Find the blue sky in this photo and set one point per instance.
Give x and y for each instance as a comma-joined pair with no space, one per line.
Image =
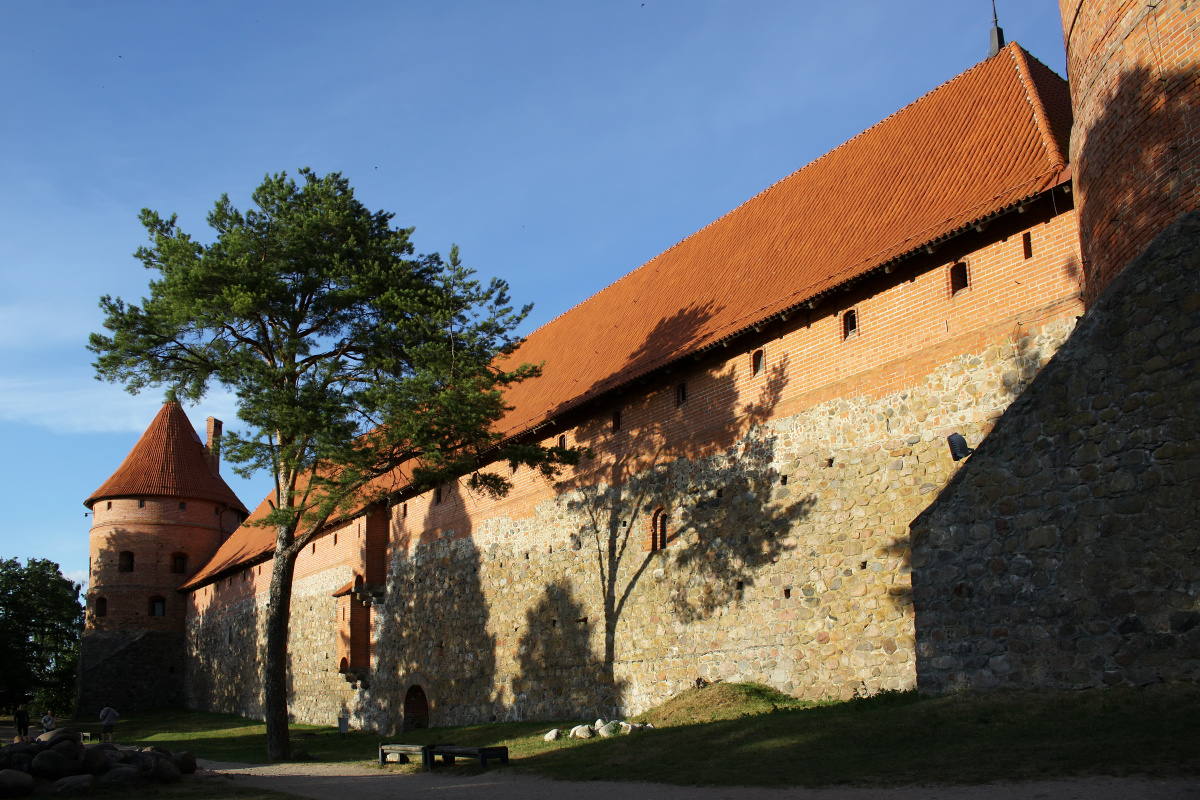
560,144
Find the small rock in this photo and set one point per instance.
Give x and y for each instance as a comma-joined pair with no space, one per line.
74,786
164,771
14,783
649,726
581,732
121,776
53,765
185,761
609,730
94,761
553,735
627,728
598,724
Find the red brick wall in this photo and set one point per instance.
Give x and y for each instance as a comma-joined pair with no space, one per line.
1135,146
154,530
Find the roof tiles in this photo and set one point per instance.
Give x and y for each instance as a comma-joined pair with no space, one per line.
169,460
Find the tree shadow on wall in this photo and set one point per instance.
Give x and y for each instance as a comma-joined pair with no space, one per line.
1135,158
559,675
432,629
697,505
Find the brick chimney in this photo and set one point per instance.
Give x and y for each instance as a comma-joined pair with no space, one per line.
213,446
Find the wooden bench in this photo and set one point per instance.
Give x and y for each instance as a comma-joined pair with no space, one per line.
406,750
448,752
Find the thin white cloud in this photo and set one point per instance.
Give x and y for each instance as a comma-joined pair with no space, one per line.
79,576
88,406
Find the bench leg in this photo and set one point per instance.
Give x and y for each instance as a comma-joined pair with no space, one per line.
427,760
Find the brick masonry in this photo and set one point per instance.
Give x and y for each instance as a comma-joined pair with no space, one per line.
1066,553
1135,145
546,603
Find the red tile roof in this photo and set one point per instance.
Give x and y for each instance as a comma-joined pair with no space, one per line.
168,461
984,141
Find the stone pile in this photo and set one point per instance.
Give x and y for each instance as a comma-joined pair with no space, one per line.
604,729
73,769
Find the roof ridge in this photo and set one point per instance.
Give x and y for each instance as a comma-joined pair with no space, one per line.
1019,56
824,156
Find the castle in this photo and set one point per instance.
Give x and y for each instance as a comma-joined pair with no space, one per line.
771,496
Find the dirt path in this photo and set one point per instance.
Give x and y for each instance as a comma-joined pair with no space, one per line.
348,781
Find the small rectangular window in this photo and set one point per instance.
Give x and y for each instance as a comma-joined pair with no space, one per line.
1027,244
616,420
404,511
849,323
681,394
141,503
958,278
437,496
756,362
182,506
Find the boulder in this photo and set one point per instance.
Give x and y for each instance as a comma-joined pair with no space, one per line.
553,735
75,786
53,765
162,752
20,762
609,730
627,728
143,761
14,783
60,734
185,761
581,732
101,746
68,748
598,724
164,771
94,762
121,776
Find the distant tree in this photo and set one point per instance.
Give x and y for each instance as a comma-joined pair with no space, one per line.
348,356
41,619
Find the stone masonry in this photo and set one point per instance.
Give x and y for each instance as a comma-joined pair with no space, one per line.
1067,552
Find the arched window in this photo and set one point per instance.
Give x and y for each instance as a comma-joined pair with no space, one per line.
179,563
757,360
125,561
660,522
849,324
158,607
100,605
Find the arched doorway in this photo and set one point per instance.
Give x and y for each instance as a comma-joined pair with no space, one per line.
416,708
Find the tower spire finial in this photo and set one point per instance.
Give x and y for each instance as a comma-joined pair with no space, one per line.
997,42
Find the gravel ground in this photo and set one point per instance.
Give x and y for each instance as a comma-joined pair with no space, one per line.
343,781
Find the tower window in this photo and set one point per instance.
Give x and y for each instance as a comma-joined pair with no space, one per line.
179,563
437,496
681,394
182,506
616,420
1027,244
101,606
659,528
108,507
125,561
562,442
757,360
958,278
404,510
141,503
849,324
158,607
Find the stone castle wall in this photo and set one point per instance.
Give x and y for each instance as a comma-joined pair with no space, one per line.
1067,552
130,670
803,585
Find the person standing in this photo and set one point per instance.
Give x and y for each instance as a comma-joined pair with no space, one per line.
21,720
108,723
48,721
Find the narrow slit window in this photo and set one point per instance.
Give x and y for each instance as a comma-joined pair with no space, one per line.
958,278
182,506
849,323
681,394
616,420
437,496
1027,244
562,442
404,511
757,360
141,503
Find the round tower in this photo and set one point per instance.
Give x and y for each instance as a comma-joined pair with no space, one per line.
1135,144
155,522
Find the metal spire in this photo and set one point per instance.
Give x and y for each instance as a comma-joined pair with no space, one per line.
997,34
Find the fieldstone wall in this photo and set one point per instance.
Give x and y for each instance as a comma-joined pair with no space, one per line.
131,671
803,585
224,646
1067,552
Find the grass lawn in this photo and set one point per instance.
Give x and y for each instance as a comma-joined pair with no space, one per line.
747,735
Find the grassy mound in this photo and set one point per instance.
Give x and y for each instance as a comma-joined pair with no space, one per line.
719,701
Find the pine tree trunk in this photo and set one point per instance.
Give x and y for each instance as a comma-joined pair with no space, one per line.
275,661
